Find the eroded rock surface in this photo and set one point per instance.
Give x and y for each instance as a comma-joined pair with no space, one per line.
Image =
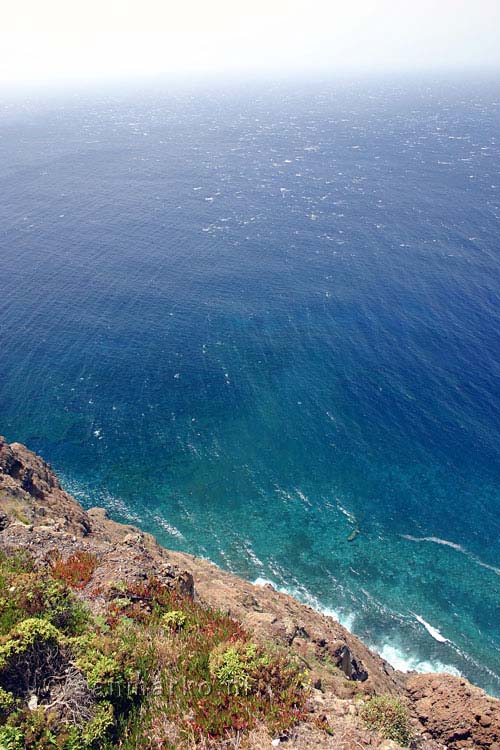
454,711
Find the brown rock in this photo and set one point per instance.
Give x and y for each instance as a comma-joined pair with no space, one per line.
455,712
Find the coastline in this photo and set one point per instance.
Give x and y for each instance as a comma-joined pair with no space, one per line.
392,649
38,515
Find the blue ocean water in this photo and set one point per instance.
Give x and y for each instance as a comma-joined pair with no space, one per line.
257,319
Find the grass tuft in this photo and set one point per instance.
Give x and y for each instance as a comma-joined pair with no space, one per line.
389,717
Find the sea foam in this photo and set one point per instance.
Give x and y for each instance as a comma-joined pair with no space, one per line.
410,663
454,546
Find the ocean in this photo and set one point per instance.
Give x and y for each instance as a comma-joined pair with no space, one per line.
261,321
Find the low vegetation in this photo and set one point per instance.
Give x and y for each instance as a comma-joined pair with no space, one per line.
389,717
152,670
76,571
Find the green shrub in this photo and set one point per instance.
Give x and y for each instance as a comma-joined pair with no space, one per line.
235,665
98,728
118,664
175,619
25,635
7,701
34,594
389,717
11,738
102,672
38,728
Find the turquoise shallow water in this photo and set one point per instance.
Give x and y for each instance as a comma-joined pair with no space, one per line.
256,321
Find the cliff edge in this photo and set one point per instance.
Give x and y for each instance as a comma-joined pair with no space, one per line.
39,517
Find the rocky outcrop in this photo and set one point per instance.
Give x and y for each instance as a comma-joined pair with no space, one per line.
455,712
37,514
27,482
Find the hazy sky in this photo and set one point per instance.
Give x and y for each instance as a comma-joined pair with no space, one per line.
86,39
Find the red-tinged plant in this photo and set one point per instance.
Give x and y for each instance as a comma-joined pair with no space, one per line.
76,570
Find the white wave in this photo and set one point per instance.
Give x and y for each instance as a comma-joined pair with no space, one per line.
346,620
434,539
168,527
405,662
114,504
350,516
283,493
101,499
409,663
452,545
303,497
305,597
251,554
259,581
434,632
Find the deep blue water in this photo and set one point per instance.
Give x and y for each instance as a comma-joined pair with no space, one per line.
254,320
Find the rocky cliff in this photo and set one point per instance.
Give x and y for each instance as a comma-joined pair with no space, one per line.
38,516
